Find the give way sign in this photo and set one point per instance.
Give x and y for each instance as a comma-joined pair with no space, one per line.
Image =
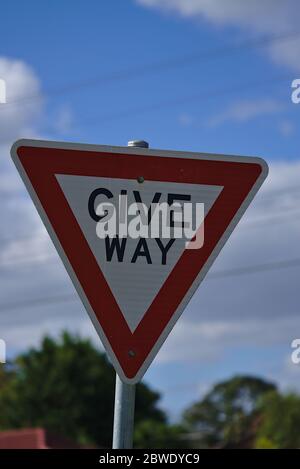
134,288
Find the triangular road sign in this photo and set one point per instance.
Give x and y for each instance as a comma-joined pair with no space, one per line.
133,295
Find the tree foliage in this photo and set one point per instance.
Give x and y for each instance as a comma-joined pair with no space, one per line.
67,386
159,435
223,416
280,421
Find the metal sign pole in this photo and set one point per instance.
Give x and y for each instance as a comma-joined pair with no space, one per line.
125,393
124,415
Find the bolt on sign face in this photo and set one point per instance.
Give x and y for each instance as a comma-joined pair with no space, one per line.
137,230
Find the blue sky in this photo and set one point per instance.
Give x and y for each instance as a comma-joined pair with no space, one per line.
174,73
68,44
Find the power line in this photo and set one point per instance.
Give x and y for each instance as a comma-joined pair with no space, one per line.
30,260
33,302
272,220
287,213
258,268
158,66
256,223
204,96
27,261
266,267
171,103
174,102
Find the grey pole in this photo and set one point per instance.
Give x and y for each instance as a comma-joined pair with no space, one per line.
125,393
124,415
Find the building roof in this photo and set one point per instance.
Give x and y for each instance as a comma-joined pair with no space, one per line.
33,438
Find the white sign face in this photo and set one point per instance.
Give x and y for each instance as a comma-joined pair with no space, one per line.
133,284
99,206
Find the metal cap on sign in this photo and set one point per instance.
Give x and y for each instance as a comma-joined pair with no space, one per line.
138,143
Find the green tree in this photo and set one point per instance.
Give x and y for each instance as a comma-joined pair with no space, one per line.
154,434
224,415
280,421
67,386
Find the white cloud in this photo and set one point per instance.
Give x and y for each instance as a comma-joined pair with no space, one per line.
259,16
29,265
264,12
19,117
23,108
243,111
206,341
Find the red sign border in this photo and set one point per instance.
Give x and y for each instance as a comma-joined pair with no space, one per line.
38,162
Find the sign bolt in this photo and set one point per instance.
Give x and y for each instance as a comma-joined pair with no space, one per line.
139,144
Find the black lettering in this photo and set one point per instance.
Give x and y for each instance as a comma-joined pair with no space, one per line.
141,250
171,198
155,200
91,203
112,245
164,249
